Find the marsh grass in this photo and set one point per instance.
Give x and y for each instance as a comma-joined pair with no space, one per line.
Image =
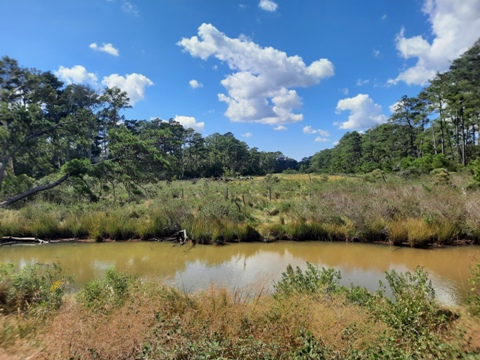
415,212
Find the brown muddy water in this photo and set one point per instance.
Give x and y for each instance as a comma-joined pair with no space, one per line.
251,266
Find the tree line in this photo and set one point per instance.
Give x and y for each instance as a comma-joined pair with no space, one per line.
51,132
439,128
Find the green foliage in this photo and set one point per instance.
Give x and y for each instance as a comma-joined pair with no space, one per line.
412,309
16,184
76,167
474,294
104,295
312,280
34,288
476,170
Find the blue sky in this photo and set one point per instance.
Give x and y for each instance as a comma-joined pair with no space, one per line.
284,75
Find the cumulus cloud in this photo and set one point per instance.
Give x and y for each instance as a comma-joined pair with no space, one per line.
247,134
190,122
268,5
364,113
309,130
108,48
280,127
76,74
194,84
260,87
133,84
321,139
455,25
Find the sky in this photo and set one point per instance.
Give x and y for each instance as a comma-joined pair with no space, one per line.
282,75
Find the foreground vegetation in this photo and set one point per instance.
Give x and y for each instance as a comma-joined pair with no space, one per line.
308,316
416,212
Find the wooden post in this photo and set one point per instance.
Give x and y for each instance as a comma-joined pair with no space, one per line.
270,192
226,194
182,193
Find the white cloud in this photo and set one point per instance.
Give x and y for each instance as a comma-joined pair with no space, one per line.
190,122
361,82
364,113
376,53
455,26
194,84
259,89
393,107
108,48
309,130
76,74
268,5
247,134
133,84
321,139
280,127
384,17
335,143
344,91
130,8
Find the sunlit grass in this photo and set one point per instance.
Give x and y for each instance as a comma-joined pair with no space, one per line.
418,212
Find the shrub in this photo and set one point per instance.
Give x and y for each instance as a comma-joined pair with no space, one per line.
103,295
35,287
313,280
412,310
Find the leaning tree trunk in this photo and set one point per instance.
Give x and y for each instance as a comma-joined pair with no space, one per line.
33,191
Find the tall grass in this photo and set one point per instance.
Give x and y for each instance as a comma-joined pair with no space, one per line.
416,212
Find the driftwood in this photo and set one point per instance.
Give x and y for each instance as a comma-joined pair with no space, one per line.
10,240
180,236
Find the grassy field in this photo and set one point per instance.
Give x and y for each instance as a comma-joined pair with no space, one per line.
421,212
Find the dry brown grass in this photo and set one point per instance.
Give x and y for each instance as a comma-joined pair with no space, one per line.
169,320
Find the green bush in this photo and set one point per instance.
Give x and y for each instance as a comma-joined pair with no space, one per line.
33,288
313,280
412,310
103,295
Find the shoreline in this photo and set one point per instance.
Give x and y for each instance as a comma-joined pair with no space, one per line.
28,241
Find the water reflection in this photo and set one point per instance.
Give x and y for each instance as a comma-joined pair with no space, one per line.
252,265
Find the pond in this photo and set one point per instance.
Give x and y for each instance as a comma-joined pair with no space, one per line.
252,266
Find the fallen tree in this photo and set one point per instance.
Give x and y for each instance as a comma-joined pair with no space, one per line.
34,191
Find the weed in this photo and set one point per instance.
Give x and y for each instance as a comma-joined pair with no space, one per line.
33,288
103,295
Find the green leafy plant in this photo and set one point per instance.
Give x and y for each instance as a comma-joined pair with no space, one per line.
312,280
103,295
33,288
